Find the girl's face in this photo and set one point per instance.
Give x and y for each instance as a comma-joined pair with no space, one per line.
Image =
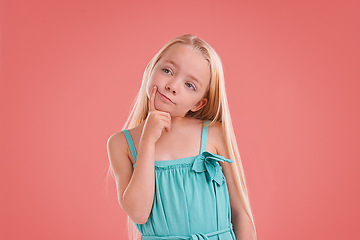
182,75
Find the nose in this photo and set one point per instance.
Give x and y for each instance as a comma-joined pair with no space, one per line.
172,86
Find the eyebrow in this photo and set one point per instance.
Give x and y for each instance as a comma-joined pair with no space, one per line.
191,76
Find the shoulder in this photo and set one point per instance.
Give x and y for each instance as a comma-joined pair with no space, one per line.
119,137
117,149
117,143
215,129
217,138
116,138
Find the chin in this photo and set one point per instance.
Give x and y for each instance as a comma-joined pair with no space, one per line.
161,108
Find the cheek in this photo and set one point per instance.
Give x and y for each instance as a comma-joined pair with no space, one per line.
194,102
153,81
154,78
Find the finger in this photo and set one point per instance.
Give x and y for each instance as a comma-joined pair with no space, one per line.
166,117
168,127
164,114
165,123
169,121
152,99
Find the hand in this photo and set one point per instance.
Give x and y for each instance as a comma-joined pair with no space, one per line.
156,121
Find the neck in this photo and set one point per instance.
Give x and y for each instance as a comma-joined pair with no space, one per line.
180,119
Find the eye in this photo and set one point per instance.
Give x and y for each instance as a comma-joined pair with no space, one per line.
166,70
191,85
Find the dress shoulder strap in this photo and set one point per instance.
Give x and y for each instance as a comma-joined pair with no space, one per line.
130,143
204,135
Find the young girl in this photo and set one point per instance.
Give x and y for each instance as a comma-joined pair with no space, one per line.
176,163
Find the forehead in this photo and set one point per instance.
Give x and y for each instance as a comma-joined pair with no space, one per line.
188,60
181,52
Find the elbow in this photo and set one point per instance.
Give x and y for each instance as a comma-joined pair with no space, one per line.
139,219
136,215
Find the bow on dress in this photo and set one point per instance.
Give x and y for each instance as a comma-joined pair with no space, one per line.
209,162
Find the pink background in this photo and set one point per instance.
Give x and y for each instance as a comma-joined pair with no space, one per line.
71,69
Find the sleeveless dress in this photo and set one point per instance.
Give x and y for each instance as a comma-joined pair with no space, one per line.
191,199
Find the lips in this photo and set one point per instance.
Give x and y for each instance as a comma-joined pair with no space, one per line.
166,97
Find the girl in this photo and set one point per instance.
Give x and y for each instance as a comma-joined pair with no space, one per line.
176,163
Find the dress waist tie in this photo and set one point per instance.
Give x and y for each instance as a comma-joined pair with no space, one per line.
194,236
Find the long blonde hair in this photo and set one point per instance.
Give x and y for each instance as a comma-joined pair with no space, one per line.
216,109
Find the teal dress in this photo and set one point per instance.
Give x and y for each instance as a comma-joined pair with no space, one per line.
191,199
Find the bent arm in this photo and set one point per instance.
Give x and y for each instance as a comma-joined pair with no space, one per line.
135,187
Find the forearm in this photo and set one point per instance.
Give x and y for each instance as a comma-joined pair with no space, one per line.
243,228
138,197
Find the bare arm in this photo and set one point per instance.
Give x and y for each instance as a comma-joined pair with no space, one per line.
242,224
139,195
136,187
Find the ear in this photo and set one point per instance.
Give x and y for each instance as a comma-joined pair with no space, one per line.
199,105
